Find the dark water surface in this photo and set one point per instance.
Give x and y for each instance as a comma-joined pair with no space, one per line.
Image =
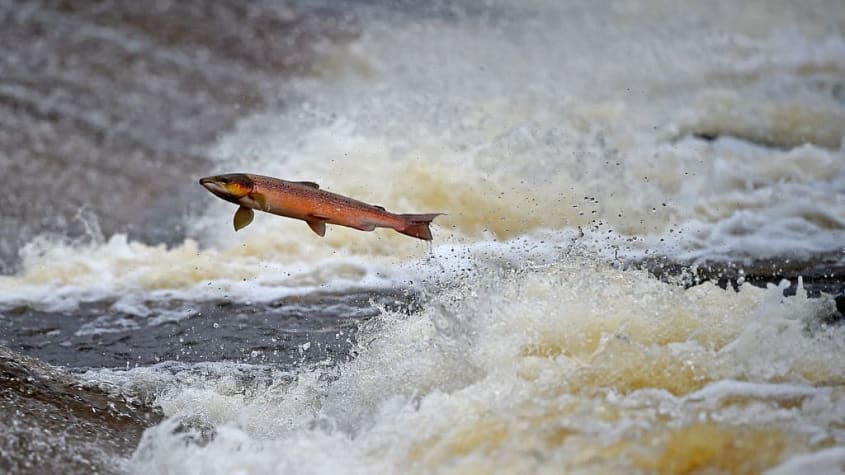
58,422
96,335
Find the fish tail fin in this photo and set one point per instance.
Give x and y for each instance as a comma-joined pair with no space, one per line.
416,225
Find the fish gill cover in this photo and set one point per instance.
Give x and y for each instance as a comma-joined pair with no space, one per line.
566,143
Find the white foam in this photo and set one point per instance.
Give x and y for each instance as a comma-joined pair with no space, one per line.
828,461
726,389
496,364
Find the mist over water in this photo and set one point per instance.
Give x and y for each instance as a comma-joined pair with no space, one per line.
571,146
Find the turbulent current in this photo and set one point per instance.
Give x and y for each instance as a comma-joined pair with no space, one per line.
640,269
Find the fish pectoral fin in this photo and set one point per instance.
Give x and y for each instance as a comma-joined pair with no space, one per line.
317,225
243,216
309,184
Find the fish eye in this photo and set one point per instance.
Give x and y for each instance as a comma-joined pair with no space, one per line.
224,180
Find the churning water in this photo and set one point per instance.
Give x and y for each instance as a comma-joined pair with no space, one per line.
595,160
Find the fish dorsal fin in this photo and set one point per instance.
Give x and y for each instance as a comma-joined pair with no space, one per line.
318,226
309,184
243,216
379,207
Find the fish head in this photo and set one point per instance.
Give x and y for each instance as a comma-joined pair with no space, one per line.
230,187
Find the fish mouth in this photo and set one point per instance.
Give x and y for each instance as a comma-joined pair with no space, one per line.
214,186
230,187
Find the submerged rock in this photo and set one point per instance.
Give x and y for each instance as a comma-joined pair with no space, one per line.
53,422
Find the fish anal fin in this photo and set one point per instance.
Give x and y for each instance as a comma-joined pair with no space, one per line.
243,216
318,226
309,184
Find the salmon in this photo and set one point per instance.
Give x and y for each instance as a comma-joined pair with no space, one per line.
306,201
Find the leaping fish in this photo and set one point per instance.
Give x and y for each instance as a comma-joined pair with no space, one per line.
306,201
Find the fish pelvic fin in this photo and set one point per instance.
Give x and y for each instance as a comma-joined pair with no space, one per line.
243,216
318,226
416,225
